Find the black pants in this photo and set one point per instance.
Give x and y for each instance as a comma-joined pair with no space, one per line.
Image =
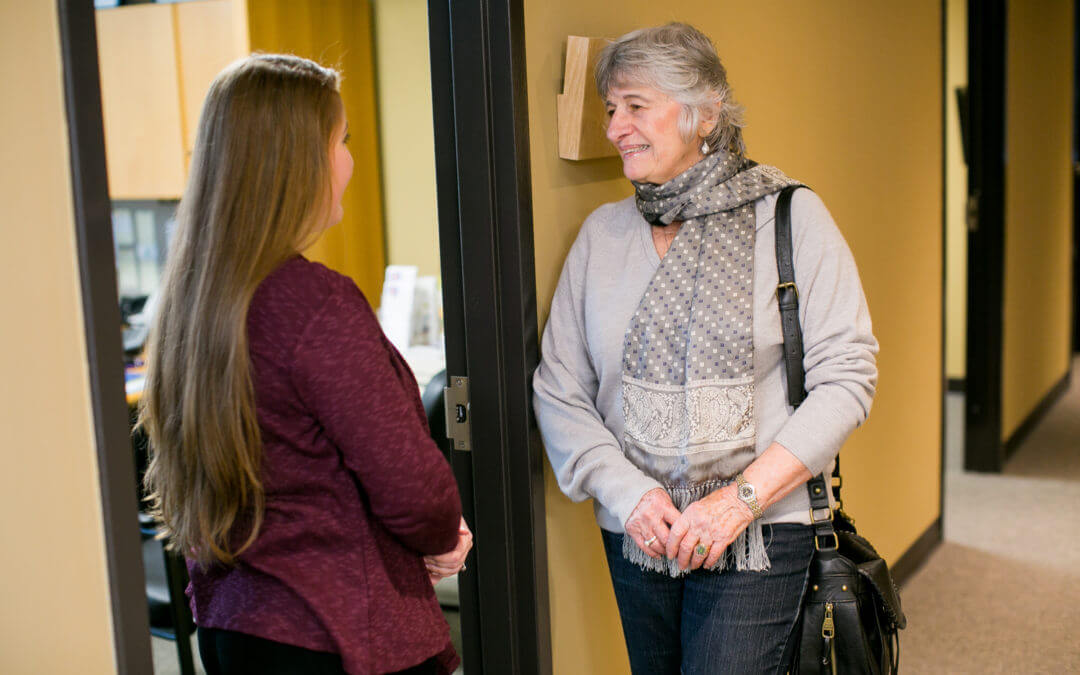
226,652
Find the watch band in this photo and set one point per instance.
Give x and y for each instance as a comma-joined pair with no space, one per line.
747,494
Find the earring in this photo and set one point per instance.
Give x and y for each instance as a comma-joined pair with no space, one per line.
704,147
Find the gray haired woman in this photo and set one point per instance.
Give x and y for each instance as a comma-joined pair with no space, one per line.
661,392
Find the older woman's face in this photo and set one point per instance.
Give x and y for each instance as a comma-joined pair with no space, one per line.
643,124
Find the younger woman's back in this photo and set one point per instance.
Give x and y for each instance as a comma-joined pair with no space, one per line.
355,488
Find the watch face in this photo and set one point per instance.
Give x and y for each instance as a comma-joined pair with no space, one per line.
746,491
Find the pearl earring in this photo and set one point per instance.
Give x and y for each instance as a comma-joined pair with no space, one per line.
704,147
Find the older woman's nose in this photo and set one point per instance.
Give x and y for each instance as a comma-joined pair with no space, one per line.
617,126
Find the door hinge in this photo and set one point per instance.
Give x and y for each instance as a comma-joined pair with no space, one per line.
971,213
456,402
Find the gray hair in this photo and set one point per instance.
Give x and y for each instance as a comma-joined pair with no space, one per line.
681,62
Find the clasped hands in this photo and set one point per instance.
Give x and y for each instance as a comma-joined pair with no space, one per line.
712,521
450,563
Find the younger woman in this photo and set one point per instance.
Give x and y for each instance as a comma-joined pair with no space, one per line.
291,460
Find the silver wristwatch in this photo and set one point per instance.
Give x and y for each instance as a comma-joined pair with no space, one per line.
748,495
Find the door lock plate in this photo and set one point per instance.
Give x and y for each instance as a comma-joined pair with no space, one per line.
456,402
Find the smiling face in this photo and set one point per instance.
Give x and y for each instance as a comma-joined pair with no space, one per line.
643,124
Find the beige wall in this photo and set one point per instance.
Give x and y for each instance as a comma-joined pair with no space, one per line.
846,96
54,614
1038,205
406,135
955,194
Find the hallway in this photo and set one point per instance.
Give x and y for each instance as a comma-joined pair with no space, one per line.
1002,593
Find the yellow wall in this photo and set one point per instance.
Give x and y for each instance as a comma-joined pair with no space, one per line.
846,96
1038,205
406,133
955,195
338,33
54,615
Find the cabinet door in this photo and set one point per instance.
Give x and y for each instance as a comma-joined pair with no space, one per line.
140,102
210,35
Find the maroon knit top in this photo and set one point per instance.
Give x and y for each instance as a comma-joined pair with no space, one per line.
356,490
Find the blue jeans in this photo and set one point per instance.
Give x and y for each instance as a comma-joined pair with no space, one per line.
708,623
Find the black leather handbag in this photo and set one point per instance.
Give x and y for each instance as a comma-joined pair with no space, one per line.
851,613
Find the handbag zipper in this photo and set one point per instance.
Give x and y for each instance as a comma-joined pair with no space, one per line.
828,632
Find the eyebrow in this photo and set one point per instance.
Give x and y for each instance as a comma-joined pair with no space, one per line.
638,97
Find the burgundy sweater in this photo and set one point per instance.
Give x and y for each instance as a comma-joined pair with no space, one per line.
356,490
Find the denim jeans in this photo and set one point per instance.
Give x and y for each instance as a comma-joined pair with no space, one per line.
709,623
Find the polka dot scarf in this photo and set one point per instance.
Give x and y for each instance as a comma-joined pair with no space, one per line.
688,354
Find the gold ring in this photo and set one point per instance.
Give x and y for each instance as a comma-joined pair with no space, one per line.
701,550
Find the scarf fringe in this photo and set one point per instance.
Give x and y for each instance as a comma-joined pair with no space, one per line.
746,553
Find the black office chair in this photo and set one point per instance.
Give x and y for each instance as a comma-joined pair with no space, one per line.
166,576
435,410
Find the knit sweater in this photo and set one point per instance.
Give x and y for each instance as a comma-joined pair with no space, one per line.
578,385
356,490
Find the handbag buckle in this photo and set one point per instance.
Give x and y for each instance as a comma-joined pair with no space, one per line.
813,516
787,284
832,535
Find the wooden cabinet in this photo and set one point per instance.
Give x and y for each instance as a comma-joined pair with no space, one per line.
156,63
140,102
209,36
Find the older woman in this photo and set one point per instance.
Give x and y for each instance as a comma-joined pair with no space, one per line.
661,393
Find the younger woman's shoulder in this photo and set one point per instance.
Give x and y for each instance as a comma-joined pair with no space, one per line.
311,285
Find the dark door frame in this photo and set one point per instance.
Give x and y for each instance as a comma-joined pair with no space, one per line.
486,236
104,351
485,222
1076,179
984,449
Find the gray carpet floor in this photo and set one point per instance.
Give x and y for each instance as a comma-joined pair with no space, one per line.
1002,593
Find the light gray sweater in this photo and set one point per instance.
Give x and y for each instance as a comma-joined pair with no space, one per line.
578,385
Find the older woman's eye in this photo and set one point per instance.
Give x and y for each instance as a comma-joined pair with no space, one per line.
347,137
609,112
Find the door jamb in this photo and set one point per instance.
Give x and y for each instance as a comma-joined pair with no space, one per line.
485,222
104,352
983,446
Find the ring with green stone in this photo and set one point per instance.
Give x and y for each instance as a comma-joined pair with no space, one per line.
701,550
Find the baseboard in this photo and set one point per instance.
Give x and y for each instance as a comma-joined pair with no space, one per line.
917,554
1020,435
956,385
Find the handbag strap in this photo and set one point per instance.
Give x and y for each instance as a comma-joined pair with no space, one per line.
787,298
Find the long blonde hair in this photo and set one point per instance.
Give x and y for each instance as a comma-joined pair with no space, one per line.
258,192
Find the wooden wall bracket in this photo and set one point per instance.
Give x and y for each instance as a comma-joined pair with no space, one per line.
581,112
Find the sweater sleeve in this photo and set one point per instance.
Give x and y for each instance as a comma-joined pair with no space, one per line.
344,373
838,340
586,457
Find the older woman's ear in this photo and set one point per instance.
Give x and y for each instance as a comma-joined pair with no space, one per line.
710,117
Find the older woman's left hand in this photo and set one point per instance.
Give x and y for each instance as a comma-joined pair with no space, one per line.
713,521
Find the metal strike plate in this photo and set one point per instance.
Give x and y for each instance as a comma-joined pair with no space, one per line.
456,402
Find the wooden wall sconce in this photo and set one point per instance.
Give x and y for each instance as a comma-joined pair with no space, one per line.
581,112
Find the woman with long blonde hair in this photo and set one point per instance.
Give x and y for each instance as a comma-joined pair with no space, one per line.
291,462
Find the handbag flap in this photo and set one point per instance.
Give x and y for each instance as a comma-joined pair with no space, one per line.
877,573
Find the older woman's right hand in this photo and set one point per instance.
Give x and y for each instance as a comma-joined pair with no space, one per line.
650,522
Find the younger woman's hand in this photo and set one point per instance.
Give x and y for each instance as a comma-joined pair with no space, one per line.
648,522
450,563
